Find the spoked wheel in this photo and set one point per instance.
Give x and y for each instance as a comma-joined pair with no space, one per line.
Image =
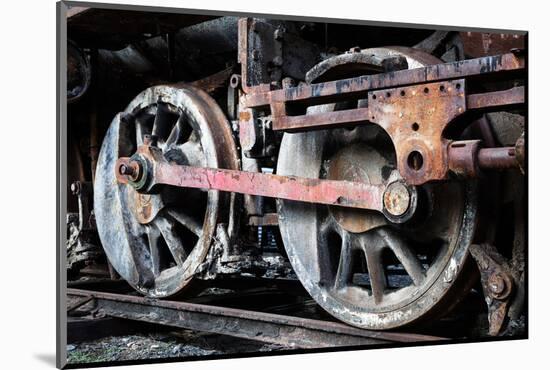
360,267
157,241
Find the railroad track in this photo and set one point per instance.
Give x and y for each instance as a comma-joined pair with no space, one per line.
282,329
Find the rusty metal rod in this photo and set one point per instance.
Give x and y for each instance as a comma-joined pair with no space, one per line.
497,158
341,193
513,96
332,192
466,158
321,120
346,88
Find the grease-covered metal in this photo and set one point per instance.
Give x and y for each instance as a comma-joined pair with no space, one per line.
327,253
497,283
341,193
163,241
379,160
295,332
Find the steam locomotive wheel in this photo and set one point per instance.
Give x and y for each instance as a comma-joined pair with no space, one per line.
157,241
358,265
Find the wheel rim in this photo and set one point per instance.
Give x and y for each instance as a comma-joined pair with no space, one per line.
156,242
361,268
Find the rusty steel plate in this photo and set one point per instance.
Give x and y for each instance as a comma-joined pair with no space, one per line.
415,118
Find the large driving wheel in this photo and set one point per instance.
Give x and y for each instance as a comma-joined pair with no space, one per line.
358,265
156,242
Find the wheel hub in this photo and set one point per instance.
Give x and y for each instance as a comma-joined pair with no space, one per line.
397,199
359,163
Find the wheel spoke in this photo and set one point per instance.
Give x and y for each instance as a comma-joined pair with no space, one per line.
141,130
162,123
408,259
375,267
193,153
178,133
140,247
376,274
153,236
186,221
172,240
344,273
326,225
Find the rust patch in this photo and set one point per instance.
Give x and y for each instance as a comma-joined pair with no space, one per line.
415,118
245,115
478,44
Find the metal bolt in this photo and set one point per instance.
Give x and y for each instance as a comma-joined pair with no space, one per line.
497,285
75,187
397,198
235,81
127,170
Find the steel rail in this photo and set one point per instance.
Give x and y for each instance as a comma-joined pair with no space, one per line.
284,330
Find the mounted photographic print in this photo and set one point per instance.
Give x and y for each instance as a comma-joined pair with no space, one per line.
241,184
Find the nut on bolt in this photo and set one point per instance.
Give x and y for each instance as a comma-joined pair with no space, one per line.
126,170
499,285
397,198
131,170
76,187
235,81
